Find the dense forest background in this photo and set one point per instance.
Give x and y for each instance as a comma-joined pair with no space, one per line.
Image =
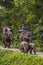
16,12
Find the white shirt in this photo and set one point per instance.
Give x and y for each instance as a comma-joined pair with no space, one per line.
8,29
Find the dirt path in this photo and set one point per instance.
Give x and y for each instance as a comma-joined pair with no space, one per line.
15,49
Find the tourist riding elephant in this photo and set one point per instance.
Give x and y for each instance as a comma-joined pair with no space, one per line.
26,42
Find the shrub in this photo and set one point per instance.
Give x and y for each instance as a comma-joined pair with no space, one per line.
18,58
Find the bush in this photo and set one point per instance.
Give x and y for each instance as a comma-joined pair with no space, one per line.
18,58
40,49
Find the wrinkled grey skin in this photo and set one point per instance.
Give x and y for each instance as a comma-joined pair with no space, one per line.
26,43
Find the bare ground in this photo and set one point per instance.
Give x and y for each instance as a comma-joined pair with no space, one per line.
15,49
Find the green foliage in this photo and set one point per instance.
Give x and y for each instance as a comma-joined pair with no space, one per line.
40,49
7,3
18,58
15,12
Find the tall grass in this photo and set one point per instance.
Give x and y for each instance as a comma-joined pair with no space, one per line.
18,58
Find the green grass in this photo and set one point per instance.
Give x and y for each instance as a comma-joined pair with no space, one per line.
18,58
1,43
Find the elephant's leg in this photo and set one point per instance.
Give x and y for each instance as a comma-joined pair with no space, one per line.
5,44
30,51
4,40
8,44
34,50
26,49
22,49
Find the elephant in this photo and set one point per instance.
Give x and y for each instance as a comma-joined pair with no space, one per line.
25,47
7,39
27,35
26,42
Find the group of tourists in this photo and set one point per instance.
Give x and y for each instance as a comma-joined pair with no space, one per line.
25,27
